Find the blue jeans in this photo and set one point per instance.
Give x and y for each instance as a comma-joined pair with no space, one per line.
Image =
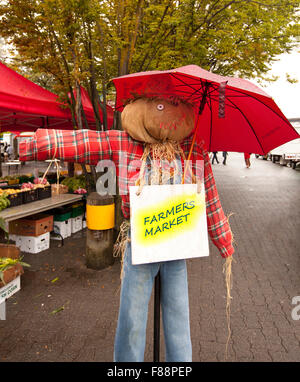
136,288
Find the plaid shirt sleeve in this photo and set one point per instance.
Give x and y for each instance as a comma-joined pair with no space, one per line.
81,146
217,222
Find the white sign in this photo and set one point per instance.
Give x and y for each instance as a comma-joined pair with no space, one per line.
168,222
9,289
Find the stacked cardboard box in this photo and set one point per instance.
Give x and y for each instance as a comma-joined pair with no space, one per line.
32,234
62,221
32,244
77,215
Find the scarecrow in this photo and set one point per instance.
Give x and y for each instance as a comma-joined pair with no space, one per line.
163,126
159,127
155,131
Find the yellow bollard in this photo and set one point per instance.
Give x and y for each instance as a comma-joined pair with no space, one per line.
100,217
100,220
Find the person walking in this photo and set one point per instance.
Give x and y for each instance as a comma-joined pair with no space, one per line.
247,159
225,153
9,151
5,152
215,157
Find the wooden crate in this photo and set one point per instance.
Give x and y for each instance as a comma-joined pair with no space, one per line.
59,189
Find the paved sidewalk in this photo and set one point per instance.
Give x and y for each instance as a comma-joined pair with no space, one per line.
264,201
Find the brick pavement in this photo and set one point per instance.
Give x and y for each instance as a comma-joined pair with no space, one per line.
265,204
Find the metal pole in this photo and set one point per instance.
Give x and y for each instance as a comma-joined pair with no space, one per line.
156,338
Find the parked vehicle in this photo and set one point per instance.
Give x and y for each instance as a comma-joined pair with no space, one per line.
264,157
288,153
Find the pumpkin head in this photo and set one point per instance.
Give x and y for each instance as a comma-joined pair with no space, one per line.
153,120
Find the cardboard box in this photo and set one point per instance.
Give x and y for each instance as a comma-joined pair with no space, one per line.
33,244
63,228
11,273
34,225
9,250
9,289
76,224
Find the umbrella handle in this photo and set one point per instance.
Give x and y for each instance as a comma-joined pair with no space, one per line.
201,107
190,152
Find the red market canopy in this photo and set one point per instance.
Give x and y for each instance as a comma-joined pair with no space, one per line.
26,106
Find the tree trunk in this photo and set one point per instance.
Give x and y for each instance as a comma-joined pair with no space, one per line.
94,100
104,77
78,105
70,169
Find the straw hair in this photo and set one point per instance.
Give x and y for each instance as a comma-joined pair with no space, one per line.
121,242
166,151
227,269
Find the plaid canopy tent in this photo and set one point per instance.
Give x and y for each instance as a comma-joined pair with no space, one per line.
26,106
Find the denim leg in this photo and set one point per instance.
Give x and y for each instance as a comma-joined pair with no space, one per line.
175,311
136,288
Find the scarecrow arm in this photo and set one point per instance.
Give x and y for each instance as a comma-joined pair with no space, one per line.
81,146
217,222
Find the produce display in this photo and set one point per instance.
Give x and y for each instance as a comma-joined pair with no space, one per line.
10,191
18,189
37,183
75,183
80,191
40,181
7,263
4,201
27,186
10,179
26,192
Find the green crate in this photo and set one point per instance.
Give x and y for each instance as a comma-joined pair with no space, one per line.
25,179
61,214
77,211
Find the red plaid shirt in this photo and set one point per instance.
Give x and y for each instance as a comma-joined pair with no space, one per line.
89,146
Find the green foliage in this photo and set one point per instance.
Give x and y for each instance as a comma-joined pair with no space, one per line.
290,79
4,202
6,263
75,182
3,226
69,42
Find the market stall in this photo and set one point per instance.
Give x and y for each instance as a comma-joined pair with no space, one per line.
32,207
30,210
18,212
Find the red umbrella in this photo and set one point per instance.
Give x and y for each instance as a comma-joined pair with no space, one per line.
233,114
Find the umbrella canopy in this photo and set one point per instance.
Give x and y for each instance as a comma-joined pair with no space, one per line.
26,106
233,113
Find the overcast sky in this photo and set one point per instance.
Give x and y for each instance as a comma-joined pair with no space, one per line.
285,94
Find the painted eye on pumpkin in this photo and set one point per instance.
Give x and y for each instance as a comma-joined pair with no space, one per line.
160,107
